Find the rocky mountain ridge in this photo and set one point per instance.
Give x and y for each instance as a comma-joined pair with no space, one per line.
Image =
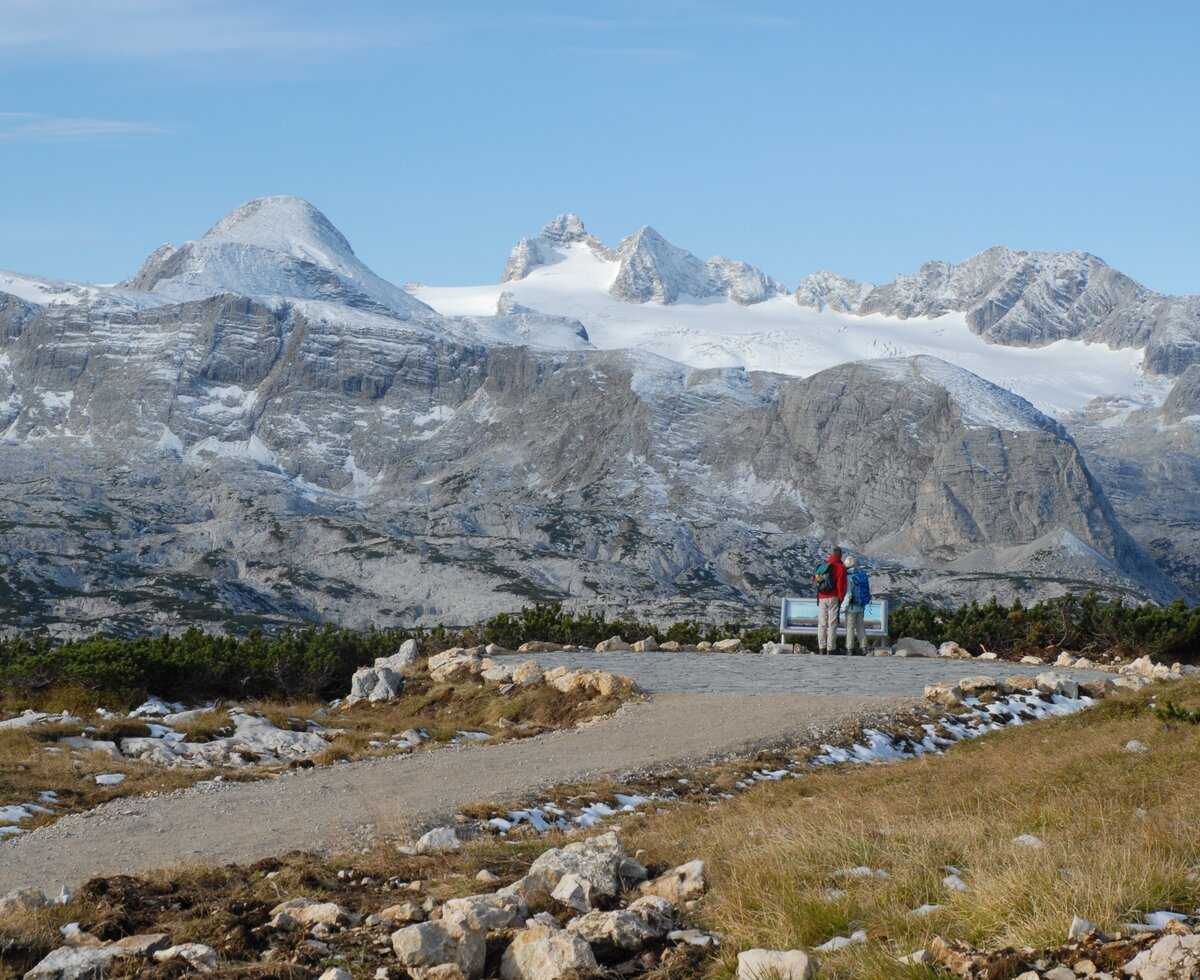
307,446
1031,299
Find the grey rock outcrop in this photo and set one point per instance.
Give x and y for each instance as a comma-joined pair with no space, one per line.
1032,299
652,270
171,454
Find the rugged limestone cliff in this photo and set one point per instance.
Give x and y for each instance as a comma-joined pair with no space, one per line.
308,445
1031,299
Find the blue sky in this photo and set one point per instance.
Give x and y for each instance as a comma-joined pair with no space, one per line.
855,136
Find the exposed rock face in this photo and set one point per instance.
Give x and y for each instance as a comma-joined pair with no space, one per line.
529,253
1032,299
826,291
652,270
270,457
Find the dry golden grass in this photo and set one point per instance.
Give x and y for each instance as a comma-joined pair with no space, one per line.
1118,830
30,762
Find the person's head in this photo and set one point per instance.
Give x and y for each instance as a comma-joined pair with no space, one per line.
849,561
836,552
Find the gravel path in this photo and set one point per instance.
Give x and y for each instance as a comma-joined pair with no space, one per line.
753,673
703,706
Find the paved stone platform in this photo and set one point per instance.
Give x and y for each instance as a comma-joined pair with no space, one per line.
784,673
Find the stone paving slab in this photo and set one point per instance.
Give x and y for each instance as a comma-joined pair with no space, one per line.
795,673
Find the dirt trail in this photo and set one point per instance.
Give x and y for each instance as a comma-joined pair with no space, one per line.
349,805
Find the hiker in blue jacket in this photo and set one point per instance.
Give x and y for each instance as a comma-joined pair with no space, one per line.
858,594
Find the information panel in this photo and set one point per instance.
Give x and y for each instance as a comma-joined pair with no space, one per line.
799,617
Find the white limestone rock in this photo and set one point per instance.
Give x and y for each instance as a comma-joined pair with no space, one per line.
430,946
1055,683
491,911
1172,957
908,646
21,900
792,964
574,892
976,685
201,958
438,839
946,693
678,885
543,952
597,861
527,672
406,656
952,651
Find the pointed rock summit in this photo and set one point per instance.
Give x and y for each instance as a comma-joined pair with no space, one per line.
655,271
563,232
651,269
272,247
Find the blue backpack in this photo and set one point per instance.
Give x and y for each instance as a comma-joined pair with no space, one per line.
860,588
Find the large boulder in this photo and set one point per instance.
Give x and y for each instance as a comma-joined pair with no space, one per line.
374,684
614,644
543,952
455,662
431,946
648,645
908,646
732,645
406,656
777,964
598,861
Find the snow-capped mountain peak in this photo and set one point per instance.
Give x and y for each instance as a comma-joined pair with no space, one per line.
649,269
566,228
272,247
283,224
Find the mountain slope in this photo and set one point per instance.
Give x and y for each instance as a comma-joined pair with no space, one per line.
272,246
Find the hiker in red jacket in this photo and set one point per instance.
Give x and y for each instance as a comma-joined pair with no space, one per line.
830,579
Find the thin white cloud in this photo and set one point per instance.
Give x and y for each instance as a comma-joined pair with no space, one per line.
29,127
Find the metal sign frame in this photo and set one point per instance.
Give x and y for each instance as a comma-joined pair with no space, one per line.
798,617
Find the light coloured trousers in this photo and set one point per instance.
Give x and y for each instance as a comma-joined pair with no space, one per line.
856,633
827,623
